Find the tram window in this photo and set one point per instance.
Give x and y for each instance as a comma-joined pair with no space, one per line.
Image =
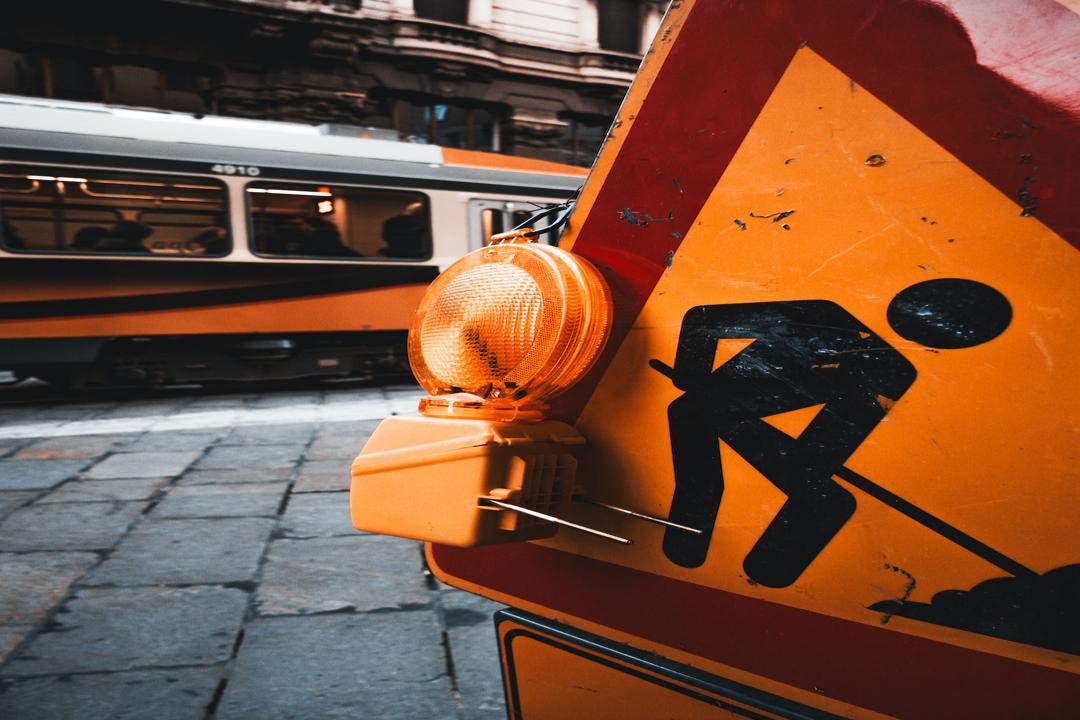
521,216
494,221
319,221
491,223
50,209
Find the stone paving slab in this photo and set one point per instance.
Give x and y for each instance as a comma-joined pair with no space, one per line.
338,397
215,477
217,431
143,464
170,442
68,526
69,411
363,573
286,399
143,408
222,500
72,448
8,446
12,500
405,401
37,474
298,434
10,637
340,444
359,429
33,583
105,490
176,694
114,649
313,668
322,476
107,629
317,515
251,459
12,413
162,551
470,629
207,402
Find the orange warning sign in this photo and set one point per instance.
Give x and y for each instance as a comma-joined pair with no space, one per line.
782,366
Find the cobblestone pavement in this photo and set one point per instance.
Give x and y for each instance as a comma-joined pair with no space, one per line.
193,558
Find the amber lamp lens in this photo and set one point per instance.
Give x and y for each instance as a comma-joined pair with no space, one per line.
513,324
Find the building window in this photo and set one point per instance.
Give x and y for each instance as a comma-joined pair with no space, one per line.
321,221
43,76
178,88
619,25
174,89
451,11
449,125
49,209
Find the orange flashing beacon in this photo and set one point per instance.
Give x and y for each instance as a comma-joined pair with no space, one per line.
499,333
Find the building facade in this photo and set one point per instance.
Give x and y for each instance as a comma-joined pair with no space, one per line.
537,78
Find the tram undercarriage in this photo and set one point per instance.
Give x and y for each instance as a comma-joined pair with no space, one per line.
180,359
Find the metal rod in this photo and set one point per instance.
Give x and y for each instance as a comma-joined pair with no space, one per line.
557,521
640,516
936,524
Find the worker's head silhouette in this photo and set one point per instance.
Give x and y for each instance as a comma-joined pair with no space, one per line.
949,313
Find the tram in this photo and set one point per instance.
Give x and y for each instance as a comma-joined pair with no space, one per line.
141,247
786,425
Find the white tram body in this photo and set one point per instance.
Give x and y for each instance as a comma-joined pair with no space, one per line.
144,246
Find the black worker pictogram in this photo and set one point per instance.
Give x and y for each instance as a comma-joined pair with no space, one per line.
801,354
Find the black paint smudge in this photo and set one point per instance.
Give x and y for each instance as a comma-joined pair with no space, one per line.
1043,610
776,216
908,589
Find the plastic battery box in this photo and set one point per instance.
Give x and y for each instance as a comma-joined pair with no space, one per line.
432,479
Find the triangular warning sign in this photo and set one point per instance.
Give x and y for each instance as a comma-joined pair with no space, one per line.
796,158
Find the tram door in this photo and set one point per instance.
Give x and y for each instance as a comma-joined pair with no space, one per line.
825,463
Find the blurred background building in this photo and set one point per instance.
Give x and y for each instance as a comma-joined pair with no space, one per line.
537,78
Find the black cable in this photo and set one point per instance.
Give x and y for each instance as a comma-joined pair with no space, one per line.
561,212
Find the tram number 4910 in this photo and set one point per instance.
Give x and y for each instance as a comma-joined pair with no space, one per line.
248,170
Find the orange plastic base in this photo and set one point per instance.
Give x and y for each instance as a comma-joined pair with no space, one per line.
426,478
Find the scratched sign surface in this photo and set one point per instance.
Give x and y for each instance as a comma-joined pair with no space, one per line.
847,353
